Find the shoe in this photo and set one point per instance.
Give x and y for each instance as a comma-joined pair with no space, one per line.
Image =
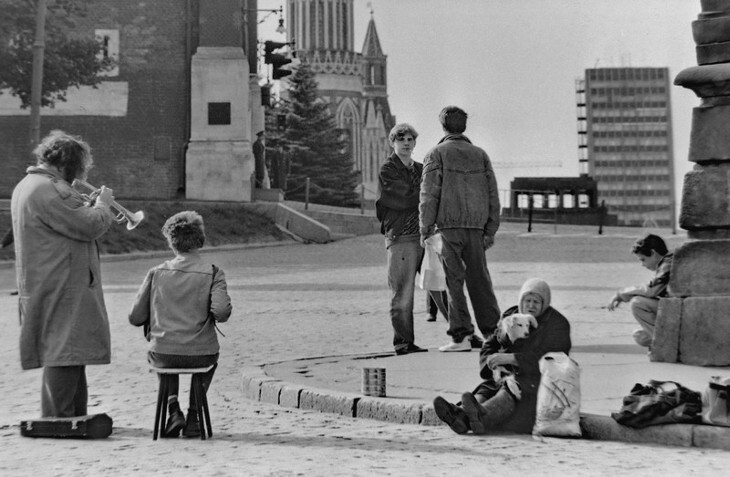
175,422
452,415
431,318
463,345
476,342
192,426
410,348
642,338
474,412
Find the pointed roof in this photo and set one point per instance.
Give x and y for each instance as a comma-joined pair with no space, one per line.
371,46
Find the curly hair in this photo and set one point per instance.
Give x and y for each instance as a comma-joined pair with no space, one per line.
69,154
184,231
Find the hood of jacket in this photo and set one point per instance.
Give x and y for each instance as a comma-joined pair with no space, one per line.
535,286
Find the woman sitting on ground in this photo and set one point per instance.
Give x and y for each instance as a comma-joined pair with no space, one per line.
493,405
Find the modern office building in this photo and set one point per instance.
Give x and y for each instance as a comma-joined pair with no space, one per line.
625,142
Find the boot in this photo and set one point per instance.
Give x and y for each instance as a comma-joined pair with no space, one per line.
192,426
175,422
489,415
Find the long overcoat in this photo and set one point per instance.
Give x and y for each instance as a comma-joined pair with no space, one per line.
62,312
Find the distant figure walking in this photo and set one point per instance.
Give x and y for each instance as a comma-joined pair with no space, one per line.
64,324
652,253
459,199
399,185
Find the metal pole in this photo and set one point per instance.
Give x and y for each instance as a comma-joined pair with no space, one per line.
37,81
601,217
529,213
362,193
306,195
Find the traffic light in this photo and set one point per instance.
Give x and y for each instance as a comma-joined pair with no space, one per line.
276,60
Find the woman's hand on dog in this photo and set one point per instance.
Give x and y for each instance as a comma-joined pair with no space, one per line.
501,359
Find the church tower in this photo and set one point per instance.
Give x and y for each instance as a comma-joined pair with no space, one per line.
354,84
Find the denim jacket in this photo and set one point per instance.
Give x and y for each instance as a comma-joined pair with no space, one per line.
396,195
459,189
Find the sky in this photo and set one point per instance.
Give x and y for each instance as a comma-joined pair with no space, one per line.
512,65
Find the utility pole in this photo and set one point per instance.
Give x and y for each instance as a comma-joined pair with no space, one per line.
37,84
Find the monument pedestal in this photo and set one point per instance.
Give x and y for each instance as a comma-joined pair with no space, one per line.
219,170
693,324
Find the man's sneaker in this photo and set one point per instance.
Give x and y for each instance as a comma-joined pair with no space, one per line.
175,422
431,317
463,345
192,426
410,348
476,342
452,415
642,338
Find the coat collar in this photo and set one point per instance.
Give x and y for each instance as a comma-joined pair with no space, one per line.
46,172
454,137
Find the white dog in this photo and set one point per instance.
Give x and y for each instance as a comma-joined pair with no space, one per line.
510,329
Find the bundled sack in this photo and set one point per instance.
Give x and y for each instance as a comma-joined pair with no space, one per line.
432,275
659,402
558,397
715,407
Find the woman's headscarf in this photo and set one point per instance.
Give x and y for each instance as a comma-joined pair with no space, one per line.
538,287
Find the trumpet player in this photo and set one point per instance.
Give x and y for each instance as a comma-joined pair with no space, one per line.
64,324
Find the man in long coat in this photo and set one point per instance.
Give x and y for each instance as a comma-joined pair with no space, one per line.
64,323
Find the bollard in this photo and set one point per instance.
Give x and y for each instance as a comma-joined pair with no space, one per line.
373,382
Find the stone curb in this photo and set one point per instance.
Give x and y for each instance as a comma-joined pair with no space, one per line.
259,386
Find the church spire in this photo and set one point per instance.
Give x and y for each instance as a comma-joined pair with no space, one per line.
371,46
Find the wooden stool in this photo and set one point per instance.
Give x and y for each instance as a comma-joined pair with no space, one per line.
198,392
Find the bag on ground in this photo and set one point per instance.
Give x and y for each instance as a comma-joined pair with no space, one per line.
715,406
659,402
558,397
432,275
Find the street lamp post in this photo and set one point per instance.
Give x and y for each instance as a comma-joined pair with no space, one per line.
37,81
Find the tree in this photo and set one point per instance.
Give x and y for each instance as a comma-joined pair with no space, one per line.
69,60
319,149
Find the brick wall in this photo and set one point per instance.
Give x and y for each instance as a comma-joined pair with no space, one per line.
154,63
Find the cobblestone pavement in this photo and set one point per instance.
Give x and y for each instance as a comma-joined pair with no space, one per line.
295,301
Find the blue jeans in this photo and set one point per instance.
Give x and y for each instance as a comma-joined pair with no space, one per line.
404,257
465,262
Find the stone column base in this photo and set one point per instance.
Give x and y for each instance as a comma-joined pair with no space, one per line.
219,170
693,330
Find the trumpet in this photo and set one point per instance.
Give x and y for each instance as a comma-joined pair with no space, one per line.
123,215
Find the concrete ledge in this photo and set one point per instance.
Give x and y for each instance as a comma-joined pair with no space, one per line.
259,386
605,428
323,400
382,409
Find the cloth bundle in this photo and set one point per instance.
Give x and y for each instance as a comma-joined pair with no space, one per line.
659,402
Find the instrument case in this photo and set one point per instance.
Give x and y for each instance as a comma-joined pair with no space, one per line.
93,426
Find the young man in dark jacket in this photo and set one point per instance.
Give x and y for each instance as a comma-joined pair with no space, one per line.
460,200
399,184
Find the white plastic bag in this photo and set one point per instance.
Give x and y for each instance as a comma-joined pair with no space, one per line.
432,275
558,397
716,402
